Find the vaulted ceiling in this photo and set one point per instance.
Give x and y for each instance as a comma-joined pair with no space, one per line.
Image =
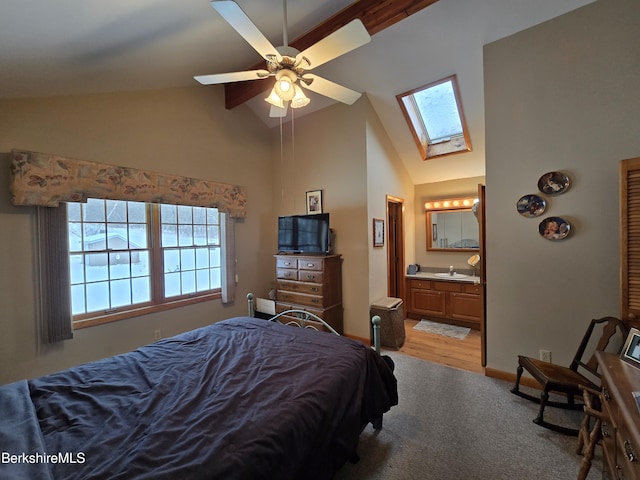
77,46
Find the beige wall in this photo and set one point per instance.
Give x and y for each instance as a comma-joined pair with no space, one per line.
463,187
182,131
560,96
386,175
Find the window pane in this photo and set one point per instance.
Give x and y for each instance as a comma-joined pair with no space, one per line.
73,212
93,210
141,289
202,280
169,235
213,217
188,282
119,265
137,212
199,235
185,215
439,111
77,299
199,215
75,237
76,266
168,214
215,278
120,293
96,267
214,257
97,296
171,284
94,236
117,236
138,235
202,258
140,264
185,235
171,260
187,259
213,234
116,211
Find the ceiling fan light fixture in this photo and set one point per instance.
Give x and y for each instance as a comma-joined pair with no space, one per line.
285,82
299,99
274,99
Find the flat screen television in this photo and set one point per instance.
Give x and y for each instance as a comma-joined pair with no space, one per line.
304,233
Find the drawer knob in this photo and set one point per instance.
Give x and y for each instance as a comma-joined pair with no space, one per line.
629,452
605,430
309,265
606,394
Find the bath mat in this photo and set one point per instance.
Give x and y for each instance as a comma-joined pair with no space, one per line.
452,331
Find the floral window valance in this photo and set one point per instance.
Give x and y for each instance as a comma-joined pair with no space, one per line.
41,179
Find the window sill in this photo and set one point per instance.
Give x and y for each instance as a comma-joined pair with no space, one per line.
116,316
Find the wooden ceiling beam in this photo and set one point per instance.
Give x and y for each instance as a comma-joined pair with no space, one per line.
376,15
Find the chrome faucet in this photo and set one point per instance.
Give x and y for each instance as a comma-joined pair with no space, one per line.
451,272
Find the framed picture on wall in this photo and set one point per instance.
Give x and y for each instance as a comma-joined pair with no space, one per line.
314,202
378,232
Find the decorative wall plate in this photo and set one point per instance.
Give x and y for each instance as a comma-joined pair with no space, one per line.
531,205
554,228
553,183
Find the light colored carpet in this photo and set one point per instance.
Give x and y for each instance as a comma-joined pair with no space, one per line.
453,331
456,425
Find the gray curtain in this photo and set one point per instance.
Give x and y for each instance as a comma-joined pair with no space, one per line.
229,253
53,262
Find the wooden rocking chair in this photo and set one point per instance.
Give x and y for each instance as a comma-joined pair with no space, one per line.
567,380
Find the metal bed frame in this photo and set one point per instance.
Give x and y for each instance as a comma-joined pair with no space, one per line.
304,316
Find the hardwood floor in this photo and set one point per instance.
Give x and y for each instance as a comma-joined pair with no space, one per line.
463,354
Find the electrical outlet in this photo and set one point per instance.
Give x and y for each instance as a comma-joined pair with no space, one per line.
545,355
157,334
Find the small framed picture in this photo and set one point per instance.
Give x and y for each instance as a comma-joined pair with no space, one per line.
378,232
631,350
314,202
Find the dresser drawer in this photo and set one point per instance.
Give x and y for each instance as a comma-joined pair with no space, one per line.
310,263
300,298
472,289
287,274
627,459
286,262
301,287
310,276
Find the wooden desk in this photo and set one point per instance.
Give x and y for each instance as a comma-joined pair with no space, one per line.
621,424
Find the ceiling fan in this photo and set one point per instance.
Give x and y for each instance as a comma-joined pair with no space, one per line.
289,66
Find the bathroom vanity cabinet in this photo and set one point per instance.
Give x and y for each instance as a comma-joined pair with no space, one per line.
457,303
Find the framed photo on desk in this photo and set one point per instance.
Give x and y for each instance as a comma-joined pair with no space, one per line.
631,350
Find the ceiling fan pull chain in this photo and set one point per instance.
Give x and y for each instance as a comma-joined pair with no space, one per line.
285,36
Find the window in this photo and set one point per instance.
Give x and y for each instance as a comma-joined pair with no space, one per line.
435,117
129,256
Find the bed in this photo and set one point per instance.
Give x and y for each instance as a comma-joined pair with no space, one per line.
244,398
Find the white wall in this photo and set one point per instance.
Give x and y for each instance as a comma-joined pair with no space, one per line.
560,96
181,131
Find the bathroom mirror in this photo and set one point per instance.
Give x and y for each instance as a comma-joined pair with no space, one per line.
452,230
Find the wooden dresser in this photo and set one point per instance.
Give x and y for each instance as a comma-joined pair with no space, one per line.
312,283
621,424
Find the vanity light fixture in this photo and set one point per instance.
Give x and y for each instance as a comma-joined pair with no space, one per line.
450,204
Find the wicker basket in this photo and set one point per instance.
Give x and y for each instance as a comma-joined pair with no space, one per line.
390,311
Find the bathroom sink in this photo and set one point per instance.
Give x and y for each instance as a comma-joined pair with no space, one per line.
448,275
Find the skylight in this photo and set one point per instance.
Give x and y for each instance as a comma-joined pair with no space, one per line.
435,117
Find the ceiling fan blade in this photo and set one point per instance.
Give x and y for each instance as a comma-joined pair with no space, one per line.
351,36
239,20
330,89
216,78
276,112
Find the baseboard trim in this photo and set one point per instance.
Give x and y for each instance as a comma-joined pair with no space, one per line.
510,377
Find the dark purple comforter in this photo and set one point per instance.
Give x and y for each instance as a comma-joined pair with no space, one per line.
240,399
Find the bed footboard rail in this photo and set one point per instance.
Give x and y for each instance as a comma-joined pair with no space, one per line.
303,316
